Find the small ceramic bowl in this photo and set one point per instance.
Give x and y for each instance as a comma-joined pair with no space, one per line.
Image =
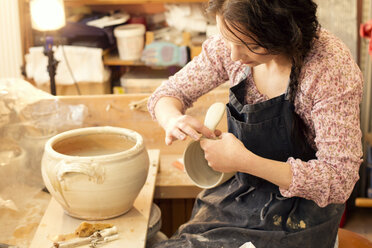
196,166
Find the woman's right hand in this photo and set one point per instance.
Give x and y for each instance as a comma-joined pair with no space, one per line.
179,127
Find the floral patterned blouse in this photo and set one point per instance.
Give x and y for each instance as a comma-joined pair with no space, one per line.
327,99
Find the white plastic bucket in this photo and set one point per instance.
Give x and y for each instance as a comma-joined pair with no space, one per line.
130,41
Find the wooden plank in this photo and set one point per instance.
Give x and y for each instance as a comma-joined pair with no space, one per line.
132,226
363,202
86,88
114,60
115,110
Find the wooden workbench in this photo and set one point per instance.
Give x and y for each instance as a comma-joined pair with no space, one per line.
174,192
117,110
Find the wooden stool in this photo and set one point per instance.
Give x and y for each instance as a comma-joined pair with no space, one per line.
348,239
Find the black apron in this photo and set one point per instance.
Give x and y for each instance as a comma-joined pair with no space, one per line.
250,209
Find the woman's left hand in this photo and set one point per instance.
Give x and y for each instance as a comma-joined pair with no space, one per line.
225,154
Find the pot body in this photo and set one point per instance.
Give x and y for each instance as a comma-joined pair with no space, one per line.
95,173
198,170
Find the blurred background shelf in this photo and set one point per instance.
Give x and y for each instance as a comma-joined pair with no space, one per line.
363,202
112,59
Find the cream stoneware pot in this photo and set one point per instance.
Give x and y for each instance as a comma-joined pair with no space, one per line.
95,173
196,166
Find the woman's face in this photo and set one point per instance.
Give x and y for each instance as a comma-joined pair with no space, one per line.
249,53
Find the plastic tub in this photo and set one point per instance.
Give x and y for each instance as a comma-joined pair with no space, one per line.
130,40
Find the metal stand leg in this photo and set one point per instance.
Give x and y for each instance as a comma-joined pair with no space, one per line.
52,64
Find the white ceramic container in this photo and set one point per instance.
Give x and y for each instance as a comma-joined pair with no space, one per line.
34,144
95,173
196,166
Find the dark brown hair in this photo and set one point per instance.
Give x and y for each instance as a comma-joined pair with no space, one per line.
280,26
286,27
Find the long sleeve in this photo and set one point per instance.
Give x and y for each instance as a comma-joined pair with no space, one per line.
329,99
205,72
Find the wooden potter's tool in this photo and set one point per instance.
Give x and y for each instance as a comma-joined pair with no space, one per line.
98,237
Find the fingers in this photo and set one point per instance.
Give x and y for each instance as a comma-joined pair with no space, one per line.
179,134
217,132
206,132
189,131
176,134
204,143
181,127
201,130
168,140
193,128
226,135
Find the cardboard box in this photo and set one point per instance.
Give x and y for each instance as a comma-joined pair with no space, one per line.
86,88
142,80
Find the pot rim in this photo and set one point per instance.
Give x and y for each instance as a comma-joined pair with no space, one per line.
138,147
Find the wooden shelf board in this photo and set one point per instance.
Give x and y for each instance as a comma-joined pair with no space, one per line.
113,59
363,202
115,110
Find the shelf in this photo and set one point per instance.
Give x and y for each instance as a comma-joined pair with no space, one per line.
120,2
363,202
114,60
